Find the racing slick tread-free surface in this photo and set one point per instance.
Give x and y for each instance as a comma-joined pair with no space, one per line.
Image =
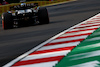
7,21
43,16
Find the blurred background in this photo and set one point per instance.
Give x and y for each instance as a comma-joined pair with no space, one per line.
17,1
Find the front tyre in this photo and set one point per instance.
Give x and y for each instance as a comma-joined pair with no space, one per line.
43,16
7,21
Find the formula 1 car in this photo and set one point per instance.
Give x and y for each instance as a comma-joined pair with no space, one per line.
28,14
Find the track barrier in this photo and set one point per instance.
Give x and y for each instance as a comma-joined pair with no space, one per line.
5,8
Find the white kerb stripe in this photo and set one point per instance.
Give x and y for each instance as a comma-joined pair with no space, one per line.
59,46
89,25
46,55
77,33
69,39
85,28
46,64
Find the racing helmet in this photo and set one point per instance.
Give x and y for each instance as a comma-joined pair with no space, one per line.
22,2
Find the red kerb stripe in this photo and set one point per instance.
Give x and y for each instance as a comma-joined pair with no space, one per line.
27,62
64,42
81,30
89,23
88,26
52,50
73,35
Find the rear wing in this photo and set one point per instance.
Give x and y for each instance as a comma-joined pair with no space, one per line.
27,6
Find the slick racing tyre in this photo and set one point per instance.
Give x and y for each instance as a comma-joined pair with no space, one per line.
43,16
7,21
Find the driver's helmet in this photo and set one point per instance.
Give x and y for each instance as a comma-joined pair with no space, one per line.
22,2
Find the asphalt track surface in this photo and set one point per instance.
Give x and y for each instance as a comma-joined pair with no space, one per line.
15,42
